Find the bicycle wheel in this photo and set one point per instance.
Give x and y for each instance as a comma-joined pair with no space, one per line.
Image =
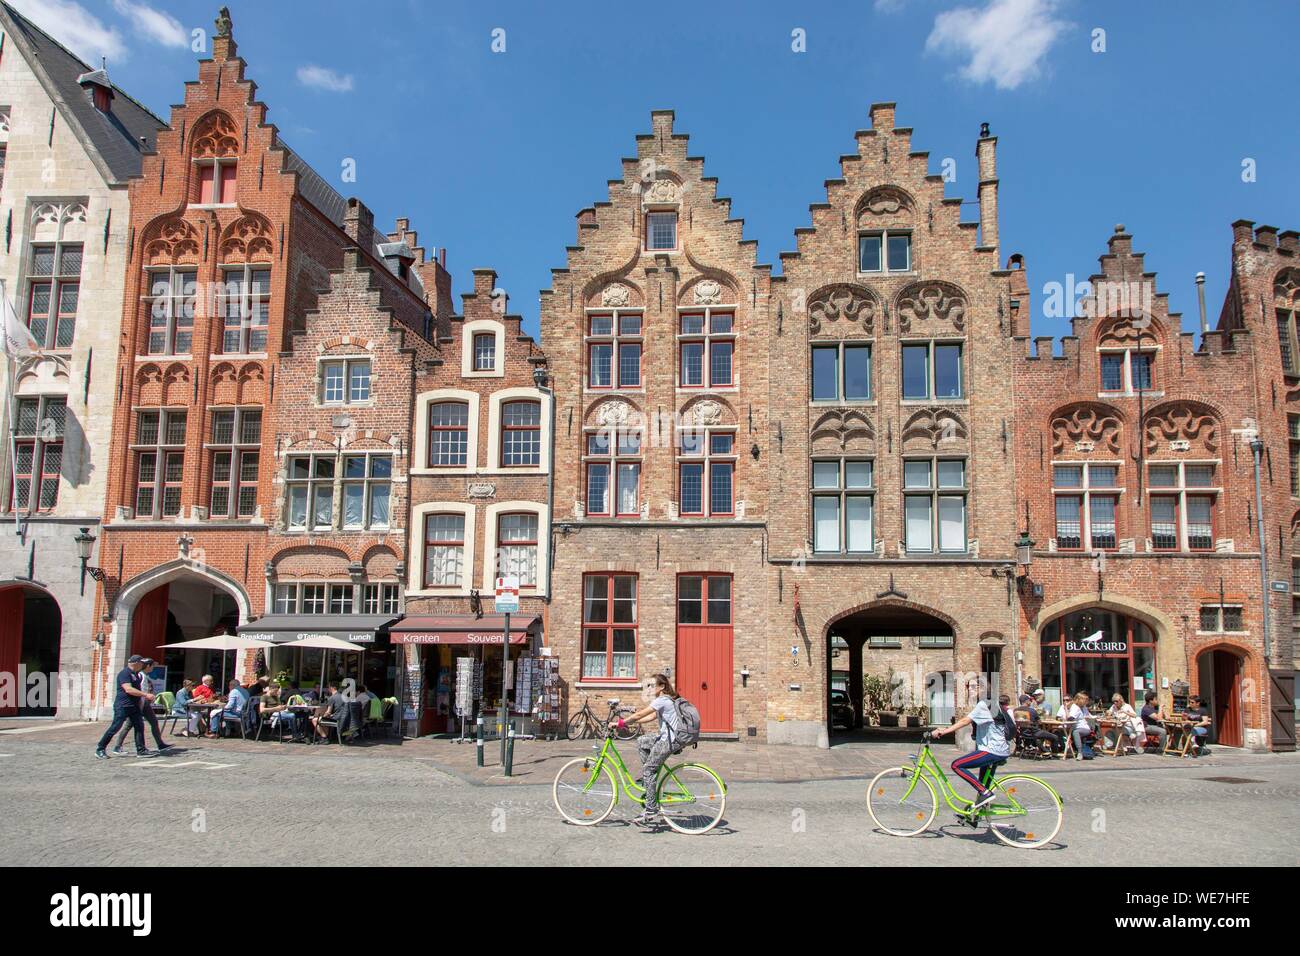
580,798
577,727
899,806
627,731
1027,813
692,798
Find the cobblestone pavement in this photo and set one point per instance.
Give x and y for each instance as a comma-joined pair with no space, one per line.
422,803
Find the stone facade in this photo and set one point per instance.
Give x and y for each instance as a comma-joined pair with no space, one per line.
59,193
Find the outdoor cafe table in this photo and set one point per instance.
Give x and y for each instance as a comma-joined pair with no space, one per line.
203,710
1179,728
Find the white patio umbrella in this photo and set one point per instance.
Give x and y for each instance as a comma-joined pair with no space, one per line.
327,644
222,642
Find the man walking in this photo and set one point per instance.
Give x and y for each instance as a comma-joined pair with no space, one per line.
126,708
146,685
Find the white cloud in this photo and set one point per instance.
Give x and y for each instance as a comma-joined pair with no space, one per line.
320,78
155,25
75,27
1004,42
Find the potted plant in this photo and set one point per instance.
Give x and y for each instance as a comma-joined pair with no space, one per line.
913,716
877,700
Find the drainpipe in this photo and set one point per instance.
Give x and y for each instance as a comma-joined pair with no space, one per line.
540,377
1257,446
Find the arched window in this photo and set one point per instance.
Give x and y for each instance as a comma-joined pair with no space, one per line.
521,434
517,547
1098,652
444,550
448,434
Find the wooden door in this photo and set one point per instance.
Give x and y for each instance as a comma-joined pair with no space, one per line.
1227,699
705,638
11,645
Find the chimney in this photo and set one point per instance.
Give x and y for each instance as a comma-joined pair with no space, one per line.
1200,298
359,224
986,151
98,87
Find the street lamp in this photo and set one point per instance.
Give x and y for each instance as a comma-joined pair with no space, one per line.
1024,550
85,541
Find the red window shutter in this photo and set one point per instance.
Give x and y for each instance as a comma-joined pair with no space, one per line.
205,184
228,171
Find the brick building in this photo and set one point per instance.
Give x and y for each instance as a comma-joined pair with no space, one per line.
480,476
70,141
657,332
269,338
892,522
1137,480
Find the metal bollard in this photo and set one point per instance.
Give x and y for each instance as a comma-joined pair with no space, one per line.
510,751
478,743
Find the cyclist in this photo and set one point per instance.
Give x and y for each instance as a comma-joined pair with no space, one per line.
654,748
993,736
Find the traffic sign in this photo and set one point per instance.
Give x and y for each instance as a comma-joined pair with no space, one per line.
507,601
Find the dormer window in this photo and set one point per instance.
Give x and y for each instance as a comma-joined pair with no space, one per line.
661,231
485,352
217,179
1127,371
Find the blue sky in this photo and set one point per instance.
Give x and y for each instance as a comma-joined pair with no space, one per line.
492,154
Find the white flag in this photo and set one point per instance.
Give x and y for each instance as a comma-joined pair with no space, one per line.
18,340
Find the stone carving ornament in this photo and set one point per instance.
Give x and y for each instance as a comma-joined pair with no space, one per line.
842,425
706,412
934,425
615,296
661,191
708,292
1182,423
1085,427
935,301
842,303
613,414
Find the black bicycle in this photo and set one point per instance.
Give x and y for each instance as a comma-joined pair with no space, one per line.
585,724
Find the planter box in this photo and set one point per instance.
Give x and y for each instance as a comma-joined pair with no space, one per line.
909,720
887,718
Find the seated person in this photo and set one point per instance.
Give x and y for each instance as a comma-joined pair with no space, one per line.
335,708
1130,725
236,701
1079,725
1153,723
1199,716
1035,732
203,693
272,708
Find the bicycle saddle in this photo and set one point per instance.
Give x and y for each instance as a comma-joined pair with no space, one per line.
613,701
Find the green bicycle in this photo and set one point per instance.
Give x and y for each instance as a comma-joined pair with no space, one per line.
692,797
903,801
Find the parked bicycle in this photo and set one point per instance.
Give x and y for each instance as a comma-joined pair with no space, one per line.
692,797
903,801
585,724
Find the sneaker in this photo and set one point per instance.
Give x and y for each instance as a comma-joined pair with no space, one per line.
146,753
984,801
648,819
117,751
163,748
99,752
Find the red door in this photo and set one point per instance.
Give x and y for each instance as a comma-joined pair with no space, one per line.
1227,699
704,647
11,645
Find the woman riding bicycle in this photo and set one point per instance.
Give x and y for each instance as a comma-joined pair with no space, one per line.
993,736
654,748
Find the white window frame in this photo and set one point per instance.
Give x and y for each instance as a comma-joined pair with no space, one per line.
496,400
1086,490
416,550
491,516
467,333
841,493
647,230
884,235
347,361
935,493
1181,491
1127,388
423,401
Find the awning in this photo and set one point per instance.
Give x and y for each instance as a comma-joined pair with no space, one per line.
461,629
287,628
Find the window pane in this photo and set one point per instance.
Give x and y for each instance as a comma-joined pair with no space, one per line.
721,443
917,515
693,363
858,523
692,490
602,358
629,325
916,375
692,325
1140,368
690,601
595,599
323,514
719,600
869,254
952,523
720,500
354,498
826,373
629,365
721,323
598,489
900,253
1103,476
1069,522
720,354
602,325
1163,476
629,487
662,230
916,474
947,371
1232,619
1112,373
298,506
1101,514
598,443
359,382
333,391
826,523
1198,476
826,474
857,372
1200,526
952,474
1068,476
857,474
1164,522
1209,617
624,599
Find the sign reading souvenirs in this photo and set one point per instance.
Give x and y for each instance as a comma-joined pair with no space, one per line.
1098,642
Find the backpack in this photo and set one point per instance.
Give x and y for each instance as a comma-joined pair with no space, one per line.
688,720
